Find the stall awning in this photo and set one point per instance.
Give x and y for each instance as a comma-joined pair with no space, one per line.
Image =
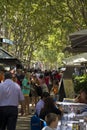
76,59
8,59
78,42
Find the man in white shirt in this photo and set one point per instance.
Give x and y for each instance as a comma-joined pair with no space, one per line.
10,96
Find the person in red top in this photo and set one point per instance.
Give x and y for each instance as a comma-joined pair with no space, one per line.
47,79
57,76
1,74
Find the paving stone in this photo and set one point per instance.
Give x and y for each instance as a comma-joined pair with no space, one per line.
23,123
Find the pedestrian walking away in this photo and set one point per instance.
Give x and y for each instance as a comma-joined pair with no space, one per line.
10,96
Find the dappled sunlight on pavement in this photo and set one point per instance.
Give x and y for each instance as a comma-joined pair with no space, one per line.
23,122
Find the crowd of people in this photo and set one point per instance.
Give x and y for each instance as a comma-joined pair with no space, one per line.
24,87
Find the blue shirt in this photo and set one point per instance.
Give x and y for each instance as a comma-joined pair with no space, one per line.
39,106
10,93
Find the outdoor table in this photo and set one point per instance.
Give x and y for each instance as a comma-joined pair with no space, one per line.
70,118
65,124
71,106
70,103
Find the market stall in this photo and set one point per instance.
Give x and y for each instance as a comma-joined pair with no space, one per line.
7,60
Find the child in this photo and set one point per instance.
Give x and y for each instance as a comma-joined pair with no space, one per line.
52,121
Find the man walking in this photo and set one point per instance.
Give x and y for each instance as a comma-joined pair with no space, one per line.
10,96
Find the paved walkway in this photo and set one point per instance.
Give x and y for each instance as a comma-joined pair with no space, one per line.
23,123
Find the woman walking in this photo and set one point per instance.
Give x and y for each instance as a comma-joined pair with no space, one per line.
26,92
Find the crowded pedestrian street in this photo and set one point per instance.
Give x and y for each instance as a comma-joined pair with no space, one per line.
43,65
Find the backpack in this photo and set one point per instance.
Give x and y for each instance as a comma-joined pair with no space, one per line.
37,123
